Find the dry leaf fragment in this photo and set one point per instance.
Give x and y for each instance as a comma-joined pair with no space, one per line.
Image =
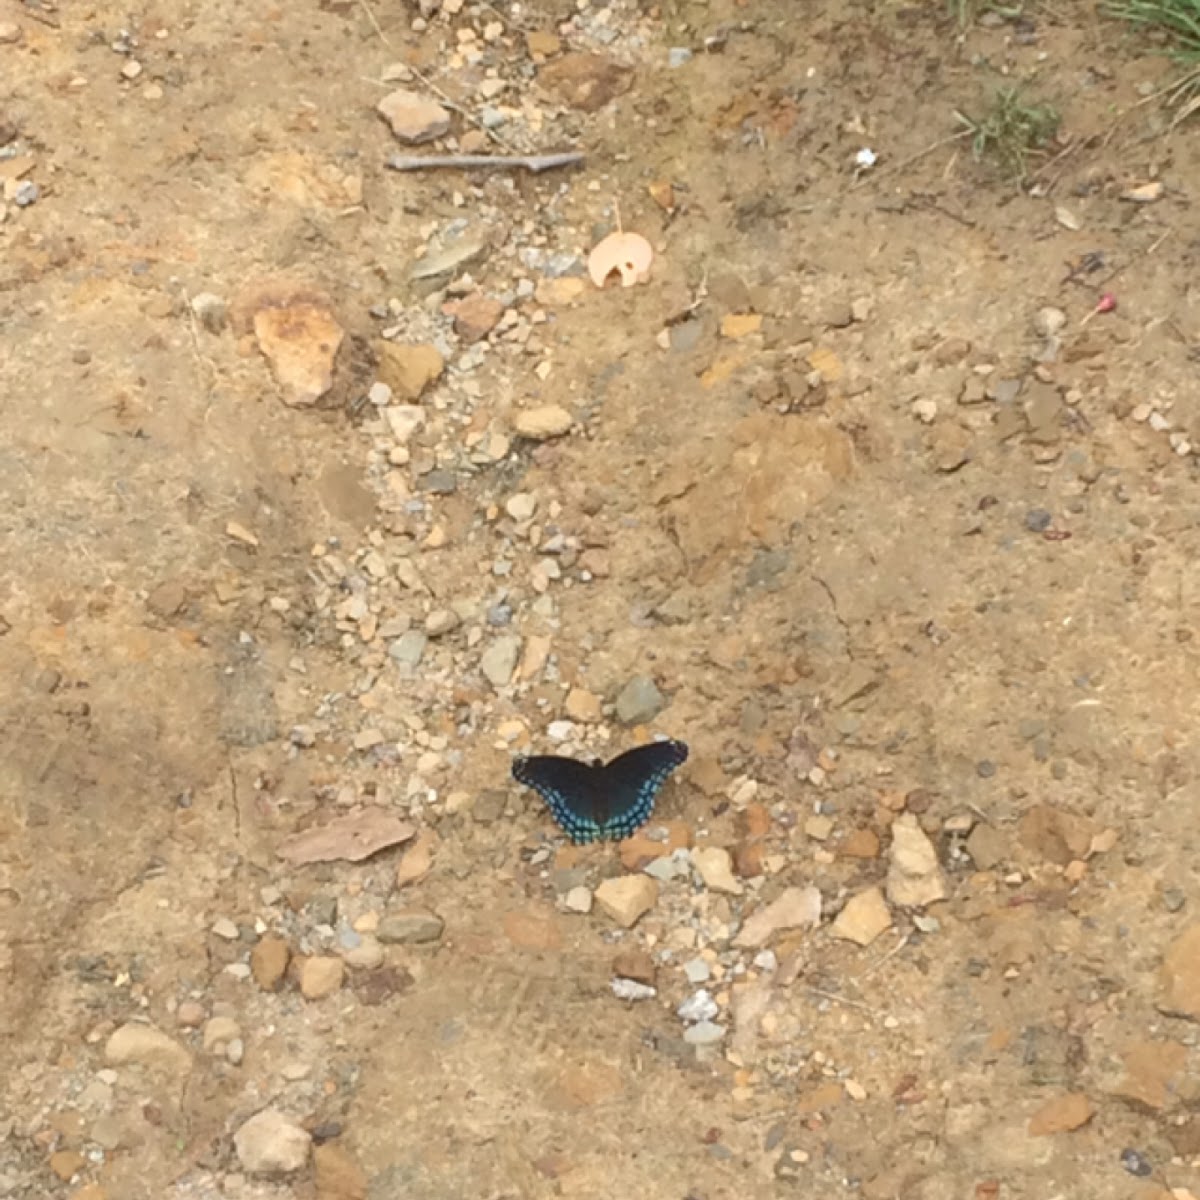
629,254
353,837
663,194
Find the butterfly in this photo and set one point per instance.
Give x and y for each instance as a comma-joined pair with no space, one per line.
598,801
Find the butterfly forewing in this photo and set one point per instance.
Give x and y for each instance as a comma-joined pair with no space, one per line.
611,801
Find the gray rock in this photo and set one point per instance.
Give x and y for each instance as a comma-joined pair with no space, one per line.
640,701
410,928
499,660
704,1033
699,1006
408,649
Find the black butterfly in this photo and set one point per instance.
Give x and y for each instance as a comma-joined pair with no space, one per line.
601,800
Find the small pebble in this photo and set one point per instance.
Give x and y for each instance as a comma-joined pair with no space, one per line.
1038,520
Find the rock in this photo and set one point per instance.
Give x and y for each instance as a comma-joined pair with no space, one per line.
1049,321
321,976
66,1163
403,421
578,899
441,622
219,1032
366,956
700,1006
408,369
542,423
532,930
715,866
987,846
225,929
1054,835
542,44
635,964
269,1144
860,843
417,860
410,927
10,33
414,118
1061,1115
640,701
1152,1074
147,1046
521,506
863,918
1179,977
627,898
190,1014
585,81
794,908
704,1033
697,971
499,660
301,342
409,648
631,990
915,877
475,316
583,706
337,1174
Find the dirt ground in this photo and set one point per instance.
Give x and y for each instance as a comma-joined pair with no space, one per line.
852,495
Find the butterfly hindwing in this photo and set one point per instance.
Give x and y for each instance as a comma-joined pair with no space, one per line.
568,788
592,803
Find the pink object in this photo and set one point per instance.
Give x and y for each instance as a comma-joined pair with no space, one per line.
1106,303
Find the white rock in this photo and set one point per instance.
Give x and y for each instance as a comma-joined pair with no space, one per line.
700,1006
794,908
270,1144
630,989
579,900
703,1033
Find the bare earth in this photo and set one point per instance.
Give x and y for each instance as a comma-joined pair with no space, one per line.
852,499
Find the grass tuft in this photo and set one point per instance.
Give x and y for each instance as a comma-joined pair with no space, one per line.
1011,131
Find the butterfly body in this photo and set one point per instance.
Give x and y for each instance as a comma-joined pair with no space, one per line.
600,801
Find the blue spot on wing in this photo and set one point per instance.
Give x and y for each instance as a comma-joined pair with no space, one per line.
594,803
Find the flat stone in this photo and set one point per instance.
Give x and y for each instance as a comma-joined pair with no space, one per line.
499,660
863,918
321,976
366,956
147,1046
410,927
403,420
1153,1071
1061,1114
338,1174
635,964
269,962
627,898
408,369
521,506
583,706
270,1144
409,648
915,876
704,1033
542,423
639,701
585,81
301,342
475,316
441,622
715,867
578,900
794,908
1179,977
414,118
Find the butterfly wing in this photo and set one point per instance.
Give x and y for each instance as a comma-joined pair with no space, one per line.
569,790
629,785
